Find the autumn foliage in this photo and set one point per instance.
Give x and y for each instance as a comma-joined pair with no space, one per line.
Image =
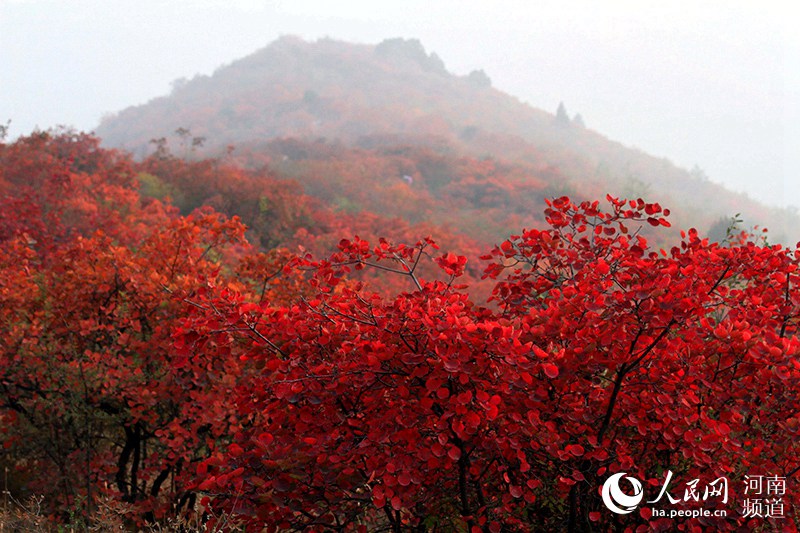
159,359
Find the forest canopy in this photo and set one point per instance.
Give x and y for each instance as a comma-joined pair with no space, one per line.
186,338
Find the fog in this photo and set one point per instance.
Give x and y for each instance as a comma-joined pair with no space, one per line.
715,85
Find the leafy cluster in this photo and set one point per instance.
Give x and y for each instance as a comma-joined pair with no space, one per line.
159,360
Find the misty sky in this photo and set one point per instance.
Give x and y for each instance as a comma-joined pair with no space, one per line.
716,84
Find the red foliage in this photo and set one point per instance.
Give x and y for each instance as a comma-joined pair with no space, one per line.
424,408
53,187
160,358
94,400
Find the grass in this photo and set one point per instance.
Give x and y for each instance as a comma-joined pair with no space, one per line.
30,517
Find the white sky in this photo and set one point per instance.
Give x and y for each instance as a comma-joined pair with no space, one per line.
711,83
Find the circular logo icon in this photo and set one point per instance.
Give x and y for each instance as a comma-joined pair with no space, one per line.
618,501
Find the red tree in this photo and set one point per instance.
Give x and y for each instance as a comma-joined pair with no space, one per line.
93,400
425,410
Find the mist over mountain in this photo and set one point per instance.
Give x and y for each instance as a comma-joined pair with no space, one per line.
322,112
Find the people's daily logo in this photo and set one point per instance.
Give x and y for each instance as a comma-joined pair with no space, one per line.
618,501
764,497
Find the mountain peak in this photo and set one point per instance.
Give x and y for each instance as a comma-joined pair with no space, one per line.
399,49
397,92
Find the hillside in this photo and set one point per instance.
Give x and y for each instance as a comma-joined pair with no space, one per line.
343,99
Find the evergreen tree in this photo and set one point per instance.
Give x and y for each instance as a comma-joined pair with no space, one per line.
562,118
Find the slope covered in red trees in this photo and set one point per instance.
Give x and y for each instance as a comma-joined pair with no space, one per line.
196,360
338,96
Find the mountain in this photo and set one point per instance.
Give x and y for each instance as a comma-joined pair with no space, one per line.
314,111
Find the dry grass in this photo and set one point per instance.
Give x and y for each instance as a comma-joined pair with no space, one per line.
30,517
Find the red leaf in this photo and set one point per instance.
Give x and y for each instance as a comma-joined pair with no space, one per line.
454,453
550,370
